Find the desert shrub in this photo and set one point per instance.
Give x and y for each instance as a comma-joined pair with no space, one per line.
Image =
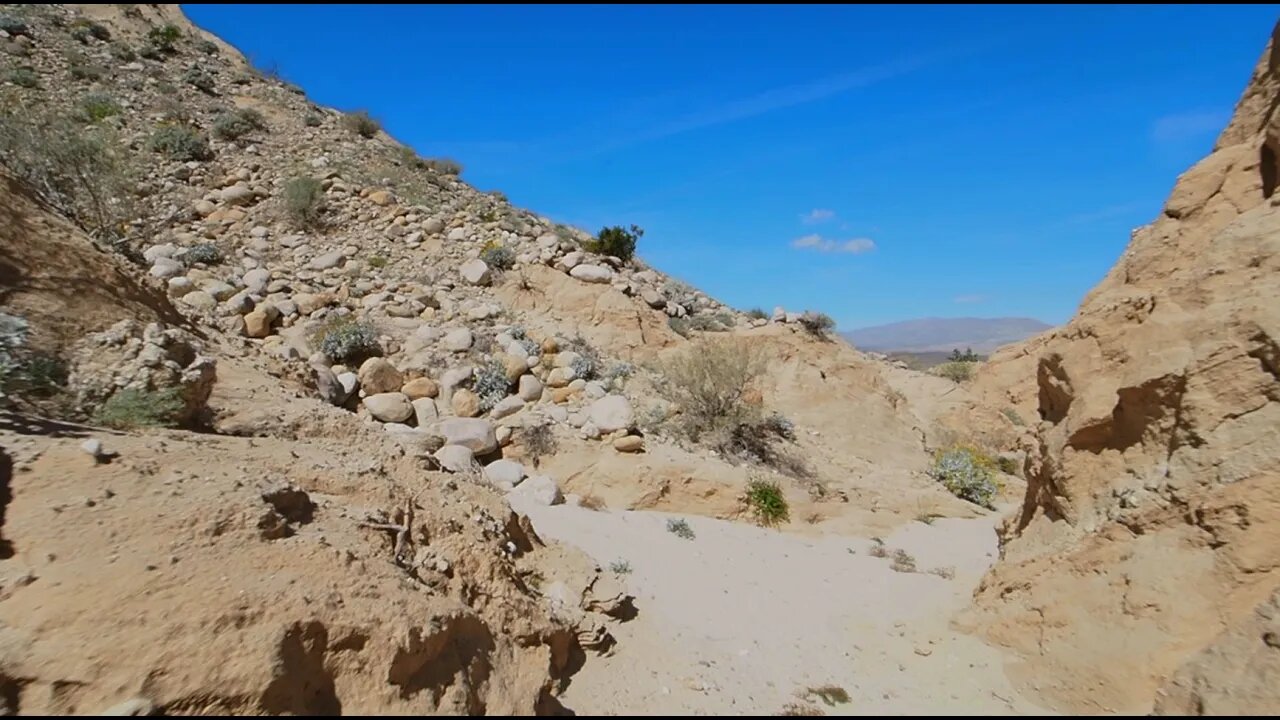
779,425
757,314
519,335
304,200
967,356
1007,465
162,39
680,326
236,124
13,335
345,338
616,241
82,69
179,142
955,371
313,120
903,561
712,384
966,473
360,123
617,373
878,548
767,503
498,257
490,384
123,53
1013,416
199,79
208,47
84,28
376,261
539,441
620,567
444,166
760,441
13,25
204,253
588,364
131,408
817,324
24,77
946,573
80,171
36,375
680,528
829,694
97,106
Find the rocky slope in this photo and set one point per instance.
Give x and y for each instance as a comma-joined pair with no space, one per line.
1143,565
331,535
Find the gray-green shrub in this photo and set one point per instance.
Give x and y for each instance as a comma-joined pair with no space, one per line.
203,253
345,338
966,473
98,106
304,200
24,77
131,408
179,142
235,124
360,123
490,385
817,324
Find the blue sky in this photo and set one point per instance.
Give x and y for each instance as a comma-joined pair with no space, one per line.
875,163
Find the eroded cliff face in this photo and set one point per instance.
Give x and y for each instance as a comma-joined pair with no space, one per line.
1151,524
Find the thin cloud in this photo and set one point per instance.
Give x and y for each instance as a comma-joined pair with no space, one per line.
817,215
856,246
1190,125
969,299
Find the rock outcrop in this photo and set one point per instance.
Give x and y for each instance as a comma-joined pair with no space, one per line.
1151,524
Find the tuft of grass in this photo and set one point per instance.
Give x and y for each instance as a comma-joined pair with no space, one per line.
767,502
132,408
376,261
620,567
313,120
304,201
237,123
817,324
903,561
344,338
24,77
680,528
539,441
179,142
98,106
956,372
361,123
829,694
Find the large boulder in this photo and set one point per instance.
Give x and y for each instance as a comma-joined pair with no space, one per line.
389,407
592,273
378,375
474,433
611,413
540,489
475,272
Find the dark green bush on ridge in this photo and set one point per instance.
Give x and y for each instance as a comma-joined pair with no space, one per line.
616,241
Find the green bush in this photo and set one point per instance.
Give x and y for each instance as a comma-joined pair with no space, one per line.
498,257
123,53
344,338
37,375
965,472
236,124
131,408
203,253
712,383
98,106
615,241
817,324
199,79
588,364
360,123
757,314
955,371
208,47
490,384
13,25
84,28
680,528
24,77
179,142
1007,465
767,502
376,261
312,120
82,69
304,200
163,38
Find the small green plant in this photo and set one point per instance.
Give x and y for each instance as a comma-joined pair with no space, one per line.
1007,465
956,372
829,694
200,80
490,384
179,142
98,106
81,69
1012,416
24,77
620,567
84,28
376,261
360,123
132,408
588,363
123,53
208,47
204,254
539,441
966,473
312,120
817,324
162,38
757,314
304,200
38,374
903,562
767,503
237,123
344,338
498,257
616,241
967,356
680,528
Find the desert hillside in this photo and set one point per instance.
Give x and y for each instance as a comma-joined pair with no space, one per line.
296,421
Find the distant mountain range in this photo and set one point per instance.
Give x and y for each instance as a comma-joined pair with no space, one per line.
927,335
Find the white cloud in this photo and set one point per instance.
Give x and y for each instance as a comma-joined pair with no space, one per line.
817,215
1184,126
856,246
969,299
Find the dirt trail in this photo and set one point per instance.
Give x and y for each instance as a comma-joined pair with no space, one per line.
742,619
